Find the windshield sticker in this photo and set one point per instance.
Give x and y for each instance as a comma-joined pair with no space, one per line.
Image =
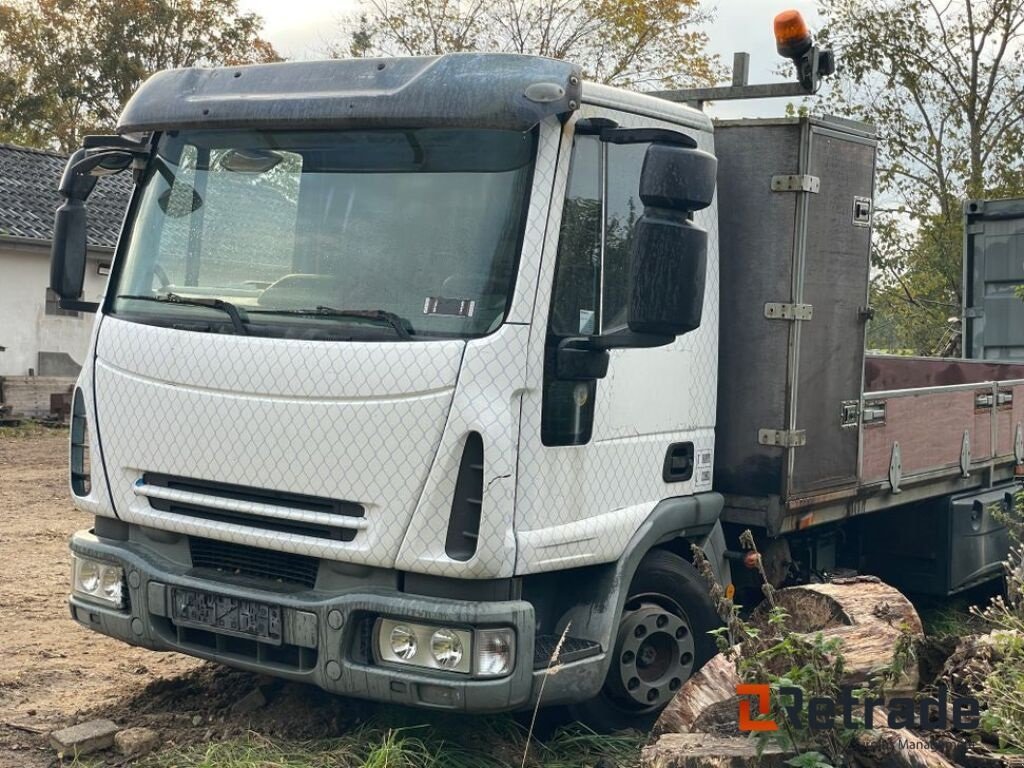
438,305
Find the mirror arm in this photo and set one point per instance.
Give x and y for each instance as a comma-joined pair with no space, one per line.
115,142
74,305
577,360
627,339
647,136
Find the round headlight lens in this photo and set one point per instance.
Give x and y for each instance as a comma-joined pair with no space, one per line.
88,575
111,583
403,642
446,647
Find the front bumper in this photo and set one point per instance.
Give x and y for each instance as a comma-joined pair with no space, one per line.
325,640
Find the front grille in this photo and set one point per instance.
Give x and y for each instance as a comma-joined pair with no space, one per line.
230,559
296,501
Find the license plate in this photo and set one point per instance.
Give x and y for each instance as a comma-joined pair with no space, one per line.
227,615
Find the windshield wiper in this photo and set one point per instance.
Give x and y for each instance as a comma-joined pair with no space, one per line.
397,322
238,316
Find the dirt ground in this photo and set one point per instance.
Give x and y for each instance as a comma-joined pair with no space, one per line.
54,673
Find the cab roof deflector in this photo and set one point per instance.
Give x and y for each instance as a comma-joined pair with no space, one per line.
471,90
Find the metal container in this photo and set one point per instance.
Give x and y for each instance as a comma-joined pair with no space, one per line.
993,327
795,198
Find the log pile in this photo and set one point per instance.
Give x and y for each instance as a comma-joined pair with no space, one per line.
698,729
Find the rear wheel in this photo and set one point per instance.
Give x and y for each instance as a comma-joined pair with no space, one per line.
662,639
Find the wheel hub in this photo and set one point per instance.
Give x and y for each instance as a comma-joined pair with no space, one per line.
654,654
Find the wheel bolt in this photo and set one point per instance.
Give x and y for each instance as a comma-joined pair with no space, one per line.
674,684
627,657
640,631
686,658
681,633
652,694
662,621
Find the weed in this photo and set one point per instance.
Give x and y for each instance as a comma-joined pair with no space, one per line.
1001,690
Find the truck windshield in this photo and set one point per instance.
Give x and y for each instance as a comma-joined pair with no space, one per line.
326,234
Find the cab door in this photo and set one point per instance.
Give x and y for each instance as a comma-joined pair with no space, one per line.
593,454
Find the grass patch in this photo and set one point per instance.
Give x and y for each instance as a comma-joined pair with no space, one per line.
30,429
952,617
494,743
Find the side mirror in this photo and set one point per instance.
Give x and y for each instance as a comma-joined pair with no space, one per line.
668,262
68,252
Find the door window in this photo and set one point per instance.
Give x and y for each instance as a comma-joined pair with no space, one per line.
591,283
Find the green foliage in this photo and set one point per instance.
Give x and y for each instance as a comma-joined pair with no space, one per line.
942,83
651,43
1003,690
68,66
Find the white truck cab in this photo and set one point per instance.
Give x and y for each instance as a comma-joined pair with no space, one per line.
406,370
411,372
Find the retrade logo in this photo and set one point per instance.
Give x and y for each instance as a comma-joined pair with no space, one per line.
926,713
763,696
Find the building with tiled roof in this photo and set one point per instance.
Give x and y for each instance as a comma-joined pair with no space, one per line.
36,336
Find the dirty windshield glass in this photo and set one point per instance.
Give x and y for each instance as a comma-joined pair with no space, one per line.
348,234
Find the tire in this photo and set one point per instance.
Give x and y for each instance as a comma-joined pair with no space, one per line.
662,639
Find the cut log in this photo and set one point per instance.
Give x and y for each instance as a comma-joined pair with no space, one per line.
846,602
884,747
700,750
889,748
713,687
864,613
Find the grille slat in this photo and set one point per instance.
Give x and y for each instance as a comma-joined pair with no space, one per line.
273,505
239,560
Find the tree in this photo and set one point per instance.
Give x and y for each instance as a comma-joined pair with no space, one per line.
639,43
68,66
943,82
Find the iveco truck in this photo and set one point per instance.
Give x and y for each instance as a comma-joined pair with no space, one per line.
410,370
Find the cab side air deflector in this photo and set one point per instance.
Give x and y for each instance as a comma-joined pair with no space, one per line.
471,90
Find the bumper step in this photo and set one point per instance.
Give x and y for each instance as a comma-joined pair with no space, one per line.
573,649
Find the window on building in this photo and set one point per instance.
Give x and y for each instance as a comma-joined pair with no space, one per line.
53,305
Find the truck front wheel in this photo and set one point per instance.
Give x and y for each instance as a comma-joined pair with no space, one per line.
662,639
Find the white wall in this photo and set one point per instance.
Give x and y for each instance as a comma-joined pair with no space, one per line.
25,328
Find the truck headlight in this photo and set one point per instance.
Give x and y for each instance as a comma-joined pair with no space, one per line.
495,652
446,648
97,581
483,652
403,642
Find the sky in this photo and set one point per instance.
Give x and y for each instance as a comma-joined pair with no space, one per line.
301,29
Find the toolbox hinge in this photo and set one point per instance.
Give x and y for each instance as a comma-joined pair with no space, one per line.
783,438
796,182
775,310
